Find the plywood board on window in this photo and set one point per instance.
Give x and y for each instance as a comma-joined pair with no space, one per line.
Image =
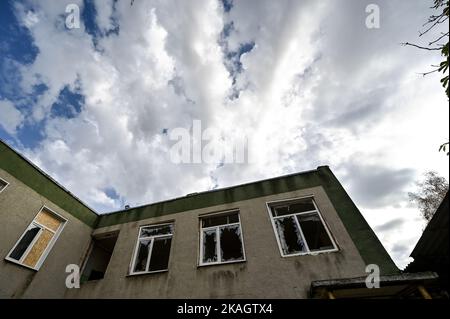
48,219
38,248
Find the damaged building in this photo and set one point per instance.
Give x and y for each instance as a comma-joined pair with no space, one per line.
294,236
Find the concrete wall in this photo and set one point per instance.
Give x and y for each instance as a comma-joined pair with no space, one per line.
19,204
265,274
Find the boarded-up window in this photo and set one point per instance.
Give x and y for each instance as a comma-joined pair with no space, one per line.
152,249
299,227
221,239
36,241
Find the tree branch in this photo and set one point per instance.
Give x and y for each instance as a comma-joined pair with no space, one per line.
420,47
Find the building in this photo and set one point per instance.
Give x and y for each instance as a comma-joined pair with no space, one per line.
293,236
431,252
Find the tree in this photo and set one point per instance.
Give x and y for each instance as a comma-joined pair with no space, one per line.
439,42
430,193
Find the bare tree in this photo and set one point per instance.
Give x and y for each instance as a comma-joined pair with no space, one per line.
439,43
430,193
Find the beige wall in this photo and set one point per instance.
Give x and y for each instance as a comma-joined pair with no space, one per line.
18,206
265,274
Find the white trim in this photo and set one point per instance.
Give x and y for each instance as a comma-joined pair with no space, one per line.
327,229
230,224
6,184
131,271
86,257
294,214
222,212
217,228
293,199
308,252
50,244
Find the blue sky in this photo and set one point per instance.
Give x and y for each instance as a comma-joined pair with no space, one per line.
307,81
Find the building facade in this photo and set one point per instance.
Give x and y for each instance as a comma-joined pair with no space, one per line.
266,239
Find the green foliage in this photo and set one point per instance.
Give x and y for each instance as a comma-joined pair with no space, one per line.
443,66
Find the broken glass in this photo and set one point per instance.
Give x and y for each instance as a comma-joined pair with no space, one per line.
156,230
303,205
209,246
289,235
231,243
142,255
220,220
315,234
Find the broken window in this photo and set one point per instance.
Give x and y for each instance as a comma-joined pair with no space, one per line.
314,231
299,228
101,249
3,184
153,249
35,243
289,234
221,239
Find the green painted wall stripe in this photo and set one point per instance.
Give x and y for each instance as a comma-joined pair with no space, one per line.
20,168
218,197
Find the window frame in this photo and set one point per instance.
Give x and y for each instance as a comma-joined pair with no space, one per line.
217,227
289,201
6,184
131,272
41,227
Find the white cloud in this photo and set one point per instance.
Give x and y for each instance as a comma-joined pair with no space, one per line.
10,117
105,17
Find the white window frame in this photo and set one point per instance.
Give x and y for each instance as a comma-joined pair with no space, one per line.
292,201
6,184
217,228
152,238
49,246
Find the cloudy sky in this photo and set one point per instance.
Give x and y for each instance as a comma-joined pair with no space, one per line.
305,81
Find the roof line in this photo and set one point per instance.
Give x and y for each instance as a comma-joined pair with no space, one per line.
154,203
48,176
213,190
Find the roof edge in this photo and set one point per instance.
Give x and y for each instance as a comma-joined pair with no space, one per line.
48,178
191,195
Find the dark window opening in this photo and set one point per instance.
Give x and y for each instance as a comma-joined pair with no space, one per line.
209,246
160,254
230,243
24,243
99,257
315,234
